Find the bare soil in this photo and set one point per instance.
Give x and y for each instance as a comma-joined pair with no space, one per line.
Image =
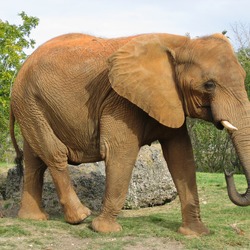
56,237
59,240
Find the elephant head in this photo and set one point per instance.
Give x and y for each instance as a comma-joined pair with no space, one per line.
171,77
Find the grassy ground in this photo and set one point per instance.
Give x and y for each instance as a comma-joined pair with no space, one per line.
150,228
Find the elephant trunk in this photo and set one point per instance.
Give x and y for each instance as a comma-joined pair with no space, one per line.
241,141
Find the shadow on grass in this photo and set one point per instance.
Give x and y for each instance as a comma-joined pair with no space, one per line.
152,225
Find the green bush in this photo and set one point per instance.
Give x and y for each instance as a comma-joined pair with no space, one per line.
213,149
244,58
14,39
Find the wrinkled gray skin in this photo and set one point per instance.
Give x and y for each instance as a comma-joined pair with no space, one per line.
80,98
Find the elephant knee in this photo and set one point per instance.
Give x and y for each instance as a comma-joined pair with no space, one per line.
57,158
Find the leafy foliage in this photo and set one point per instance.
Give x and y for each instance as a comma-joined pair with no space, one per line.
244,58
13,40
213,149
242,40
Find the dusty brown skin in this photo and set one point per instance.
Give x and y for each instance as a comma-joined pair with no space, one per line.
80,99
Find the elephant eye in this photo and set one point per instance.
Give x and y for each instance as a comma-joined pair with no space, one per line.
209,85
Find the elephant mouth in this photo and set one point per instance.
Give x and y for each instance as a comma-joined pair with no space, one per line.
218,125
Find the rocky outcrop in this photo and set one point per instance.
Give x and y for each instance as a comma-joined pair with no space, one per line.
151,183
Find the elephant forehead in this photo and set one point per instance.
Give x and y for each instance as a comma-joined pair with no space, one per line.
218,62
223,70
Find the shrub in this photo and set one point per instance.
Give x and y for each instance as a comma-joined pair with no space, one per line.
213,149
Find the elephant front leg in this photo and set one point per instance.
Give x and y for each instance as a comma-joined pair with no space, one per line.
179,156
119,166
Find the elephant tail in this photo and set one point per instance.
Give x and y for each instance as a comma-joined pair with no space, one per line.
19,152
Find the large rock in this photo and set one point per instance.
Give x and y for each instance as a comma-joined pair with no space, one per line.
12,185
151,183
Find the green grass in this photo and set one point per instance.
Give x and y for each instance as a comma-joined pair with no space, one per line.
13,230
229,224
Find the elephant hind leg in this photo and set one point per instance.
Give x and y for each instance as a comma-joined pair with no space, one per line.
31,207
52,153
74,211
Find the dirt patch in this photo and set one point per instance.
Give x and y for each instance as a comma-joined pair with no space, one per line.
153,243
58,240
58,235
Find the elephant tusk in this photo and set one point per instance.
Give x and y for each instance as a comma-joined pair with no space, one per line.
228,126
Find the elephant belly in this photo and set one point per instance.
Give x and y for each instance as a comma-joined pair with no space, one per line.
76,157
83,144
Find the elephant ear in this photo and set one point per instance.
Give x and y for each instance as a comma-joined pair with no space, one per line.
142,71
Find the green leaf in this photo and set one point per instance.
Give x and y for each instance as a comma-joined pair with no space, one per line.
13,40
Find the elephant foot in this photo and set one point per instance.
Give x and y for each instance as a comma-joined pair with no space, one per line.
105,225
32,213
76,215
194,229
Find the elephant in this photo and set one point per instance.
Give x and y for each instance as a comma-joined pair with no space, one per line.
80,98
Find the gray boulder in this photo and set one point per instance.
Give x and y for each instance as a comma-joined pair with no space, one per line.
151,183
13,184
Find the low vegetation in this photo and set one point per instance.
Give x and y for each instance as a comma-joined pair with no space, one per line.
14,41
149,228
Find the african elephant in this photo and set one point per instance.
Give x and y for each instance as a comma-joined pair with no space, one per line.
80,98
